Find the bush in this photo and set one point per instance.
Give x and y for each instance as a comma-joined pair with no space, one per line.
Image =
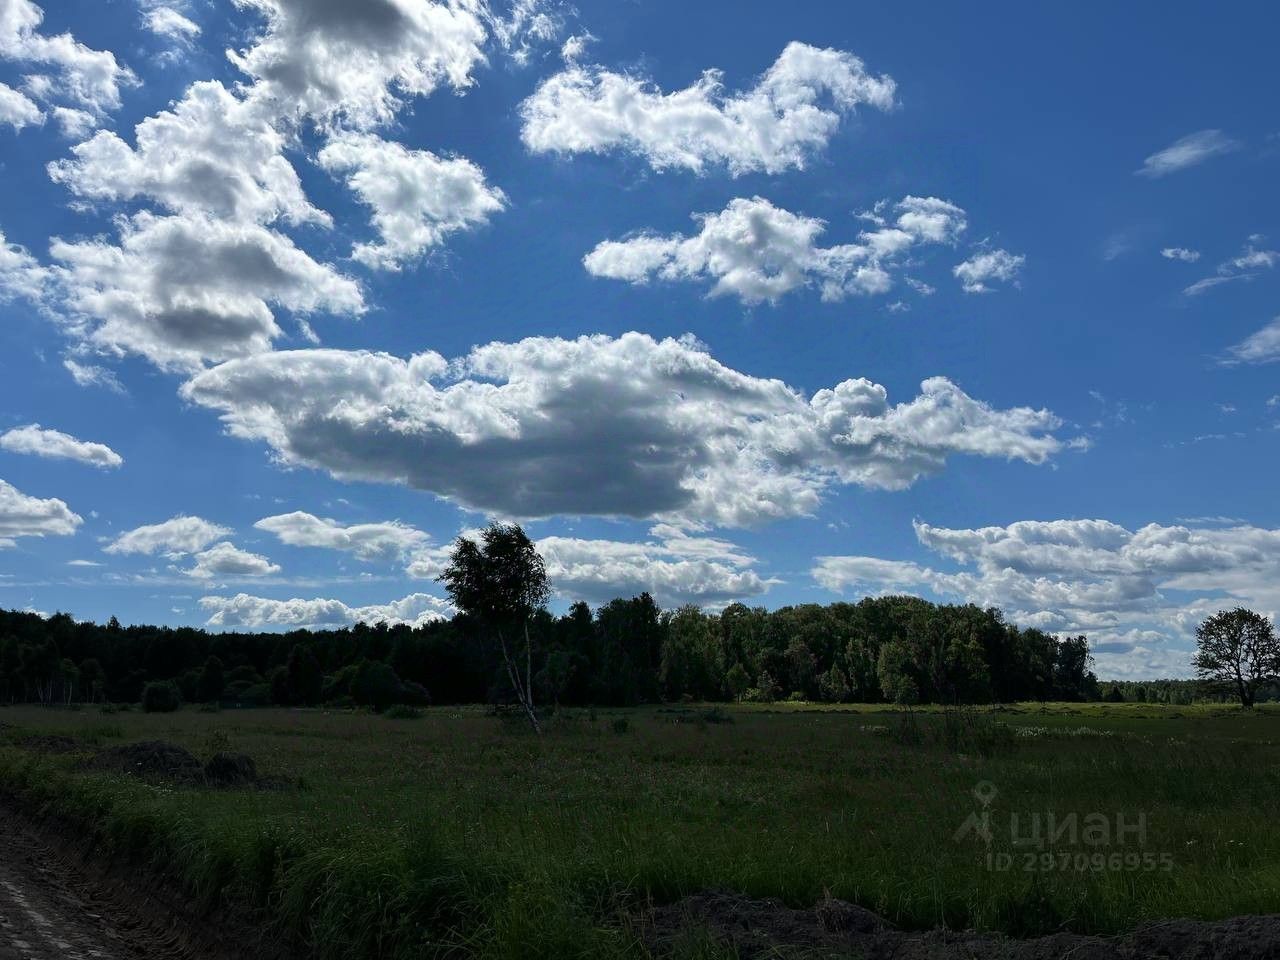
161,696
258,695
402,711
375,685
620,725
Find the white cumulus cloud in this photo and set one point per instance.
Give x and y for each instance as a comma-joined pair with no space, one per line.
675,569
17,109
227,560
790,114
603,426
212,153
756,251
174,537
385,541
244,610
21,275
358,62
89,78
35,440
977,273
25,516
184,289
1180,253
417,198
169,23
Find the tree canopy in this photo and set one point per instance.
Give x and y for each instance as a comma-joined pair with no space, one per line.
1237,651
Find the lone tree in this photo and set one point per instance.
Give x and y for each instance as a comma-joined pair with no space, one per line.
1238,652
501,582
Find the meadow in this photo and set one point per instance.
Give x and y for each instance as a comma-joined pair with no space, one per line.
460,833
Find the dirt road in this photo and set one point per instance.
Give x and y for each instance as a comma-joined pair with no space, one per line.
52,908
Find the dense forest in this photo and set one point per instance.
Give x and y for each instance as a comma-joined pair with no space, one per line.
901,649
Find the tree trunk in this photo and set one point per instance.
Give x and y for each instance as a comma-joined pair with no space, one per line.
523,695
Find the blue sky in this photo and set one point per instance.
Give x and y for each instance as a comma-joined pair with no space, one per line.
974,304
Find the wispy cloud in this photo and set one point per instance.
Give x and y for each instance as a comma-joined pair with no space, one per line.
1260,347
1193,149
1241,267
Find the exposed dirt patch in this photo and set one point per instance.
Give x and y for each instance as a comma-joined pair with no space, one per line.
56,903
768,928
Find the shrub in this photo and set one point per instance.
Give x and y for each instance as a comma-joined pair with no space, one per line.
258,695
161,696
375,685
402,711
620,725
716,715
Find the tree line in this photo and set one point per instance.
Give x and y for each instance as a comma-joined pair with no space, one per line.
505,646
625,652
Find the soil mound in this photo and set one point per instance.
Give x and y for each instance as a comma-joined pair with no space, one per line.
158,761
150,760
231,770
752,928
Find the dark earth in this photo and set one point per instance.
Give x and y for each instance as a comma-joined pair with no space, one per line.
54,908
767,928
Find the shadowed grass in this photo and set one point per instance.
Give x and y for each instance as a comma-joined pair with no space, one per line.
459,835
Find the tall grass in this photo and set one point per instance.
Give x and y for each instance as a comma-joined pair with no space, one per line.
459,835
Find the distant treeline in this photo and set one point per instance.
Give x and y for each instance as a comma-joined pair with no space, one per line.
1177,692
901,649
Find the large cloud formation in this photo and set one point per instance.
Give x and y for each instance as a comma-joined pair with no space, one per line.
756,251
244,610
615,427
213,153
1132,591
202,276
359,61
181,290
777,125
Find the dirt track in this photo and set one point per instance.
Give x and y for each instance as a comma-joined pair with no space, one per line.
52,908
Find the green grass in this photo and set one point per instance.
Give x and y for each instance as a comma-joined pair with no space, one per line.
463,834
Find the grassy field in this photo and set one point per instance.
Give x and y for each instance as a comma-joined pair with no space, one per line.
462,833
